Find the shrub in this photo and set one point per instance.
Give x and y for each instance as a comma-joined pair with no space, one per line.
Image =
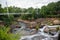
4,35
57,28
37,27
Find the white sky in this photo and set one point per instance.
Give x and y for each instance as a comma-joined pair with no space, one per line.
26,3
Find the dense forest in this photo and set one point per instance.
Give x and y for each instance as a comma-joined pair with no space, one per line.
51,10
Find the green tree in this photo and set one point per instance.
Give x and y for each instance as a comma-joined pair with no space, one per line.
52,8
58,6
44,11
8,20
1,9
30,10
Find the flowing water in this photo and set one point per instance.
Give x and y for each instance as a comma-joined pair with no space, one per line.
40,35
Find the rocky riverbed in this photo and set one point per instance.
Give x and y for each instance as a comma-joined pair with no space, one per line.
32,34
38,36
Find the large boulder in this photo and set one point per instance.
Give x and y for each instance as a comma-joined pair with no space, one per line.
56,22
46,30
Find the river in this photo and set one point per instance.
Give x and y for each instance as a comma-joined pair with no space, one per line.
40,35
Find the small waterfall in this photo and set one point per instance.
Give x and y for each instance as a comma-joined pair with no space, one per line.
23,25
40,36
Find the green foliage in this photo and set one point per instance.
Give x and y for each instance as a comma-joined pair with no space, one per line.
24,17
8,20
58,6
57,28
1,9
50,10
30,10
37,26
44,11
4,35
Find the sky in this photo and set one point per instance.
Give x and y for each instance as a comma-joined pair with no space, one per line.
26,3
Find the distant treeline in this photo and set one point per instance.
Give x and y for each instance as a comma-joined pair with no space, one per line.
51,10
